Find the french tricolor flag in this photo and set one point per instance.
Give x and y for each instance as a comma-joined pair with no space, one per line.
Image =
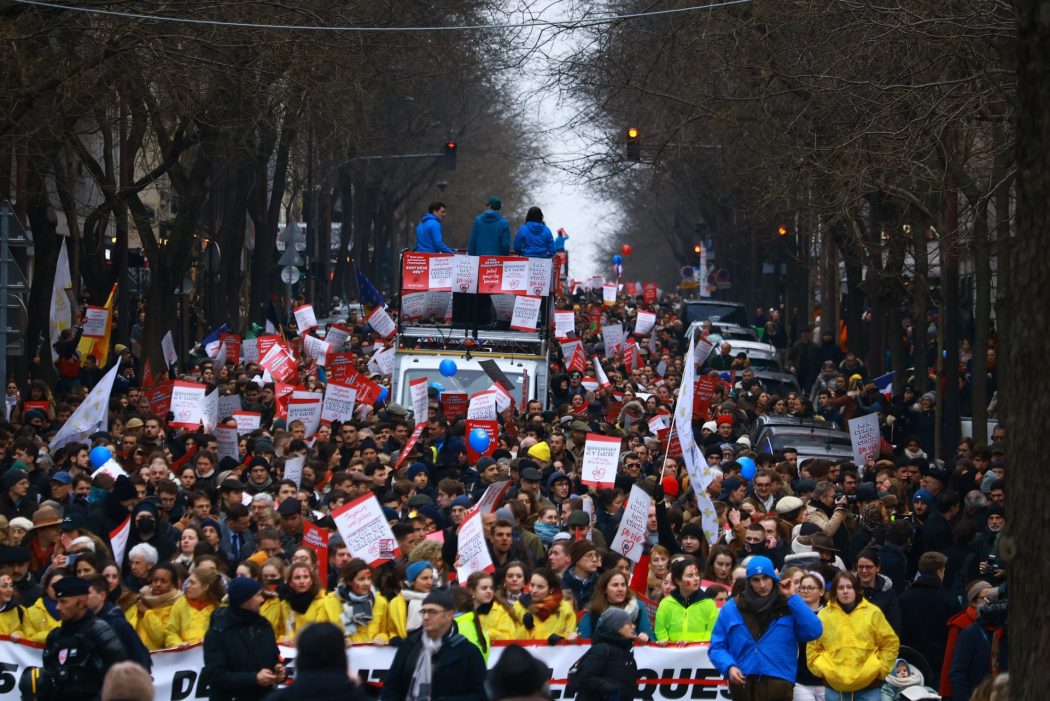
884,384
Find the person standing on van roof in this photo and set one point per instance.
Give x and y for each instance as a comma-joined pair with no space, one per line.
428,232
534,239
490,234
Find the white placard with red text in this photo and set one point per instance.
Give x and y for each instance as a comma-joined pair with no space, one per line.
365,530
381,322
187,404
305,319
317,349
338,403
564,324
473,553
526,313
306,410
601,455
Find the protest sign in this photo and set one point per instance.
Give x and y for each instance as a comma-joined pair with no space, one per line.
228,443
381,323
865,438
338,403
316,538
247,421
305,319
632,533
644,323
96,320
526,313
293,469
187,404
473,552
365,530
600,457
564,324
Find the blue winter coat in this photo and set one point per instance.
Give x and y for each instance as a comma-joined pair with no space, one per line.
534,240
775,653
490,235
428,236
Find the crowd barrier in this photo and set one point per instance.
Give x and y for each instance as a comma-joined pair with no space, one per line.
671,672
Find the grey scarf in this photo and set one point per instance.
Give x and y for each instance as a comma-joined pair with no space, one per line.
421,690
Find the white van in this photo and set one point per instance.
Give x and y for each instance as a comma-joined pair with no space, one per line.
470,377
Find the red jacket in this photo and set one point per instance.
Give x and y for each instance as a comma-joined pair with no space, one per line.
956,624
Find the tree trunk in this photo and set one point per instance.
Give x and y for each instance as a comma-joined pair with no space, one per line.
1004,315
982,322
920,306
1028,387
948,397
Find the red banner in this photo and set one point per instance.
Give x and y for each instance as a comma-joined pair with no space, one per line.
159,398
233,346
316,539
703,393
649,294
367,391
340,367
411,443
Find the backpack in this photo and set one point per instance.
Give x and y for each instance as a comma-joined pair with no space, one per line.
572,682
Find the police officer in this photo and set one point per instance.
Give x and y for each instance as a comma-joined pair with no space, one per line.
78,653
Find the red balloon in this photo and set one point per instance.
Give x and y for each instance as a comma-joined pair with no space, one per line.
626,249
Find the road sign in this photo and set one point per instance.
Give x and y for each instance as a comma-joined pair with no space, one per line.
687,271
290,274
290,257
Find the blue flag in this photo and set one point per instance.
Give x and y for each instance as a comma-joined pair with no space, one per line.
369,296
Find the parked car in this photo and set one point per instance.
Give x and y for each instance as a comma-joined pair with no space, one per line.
713,310
812,438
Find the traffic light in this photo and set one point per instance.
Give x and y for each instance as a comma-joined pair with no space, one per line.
450,155
634,145
782,231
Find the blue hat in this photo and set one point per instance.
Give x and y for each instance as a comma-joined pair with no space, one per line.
240,589
462,500
62,477
390,514
555,476
416,569
923,495
759,565
415,468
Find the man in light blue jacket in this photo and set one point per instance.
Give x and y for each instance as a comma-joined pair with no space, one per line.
428,232
755,640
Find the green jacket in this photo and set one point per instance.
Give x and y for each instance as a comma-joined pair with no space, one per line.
680,620
466,626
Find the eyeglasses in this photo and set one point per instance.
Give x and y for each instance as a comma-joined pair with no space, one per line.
431,612
633,465
808,587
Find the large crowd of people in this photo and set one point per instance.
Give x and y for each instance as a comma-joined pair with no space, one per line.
826,580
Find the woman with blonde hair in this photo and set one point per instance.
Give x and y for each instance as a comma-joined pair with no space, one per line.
191,615
304,601
659,566
403,615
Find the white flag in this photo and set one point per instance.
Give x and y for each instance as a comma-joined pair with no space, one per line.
91,416
61,311
695,465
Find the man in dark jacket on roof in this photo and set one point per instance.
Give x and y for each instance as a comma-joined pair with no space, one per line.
490,235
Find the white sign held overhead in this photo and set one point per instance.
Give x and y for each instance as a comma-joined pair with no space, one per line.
305,319
338,403
564,324
632,533
600,457
473,552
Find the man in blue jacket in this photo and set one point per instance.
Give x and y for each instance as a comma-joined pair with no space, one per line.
490,235
428,232
756,637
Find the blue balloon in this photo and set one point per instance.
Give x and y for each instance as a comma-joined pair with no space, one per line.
383,395
99,456
447,367
479,440
617,259
747,468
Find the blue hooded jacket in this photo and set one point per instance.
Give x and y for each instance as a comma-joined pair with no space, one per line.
775,654
534,240
428,236
490,235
